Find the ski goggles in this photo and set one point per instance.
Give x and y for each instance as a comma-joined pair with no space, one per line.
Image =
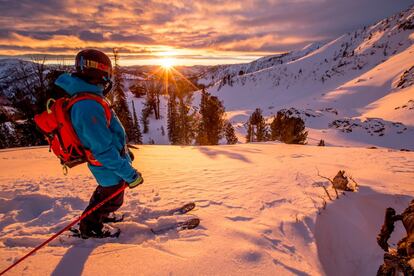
86,63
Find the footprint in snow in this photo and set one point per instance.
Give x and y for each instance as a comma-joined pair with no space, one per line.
239,218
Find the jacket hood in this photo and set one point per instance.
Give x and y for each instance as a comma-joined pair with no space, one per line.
73,85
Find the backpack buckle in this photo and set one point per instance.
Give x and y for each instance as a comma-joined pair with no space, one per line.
48,105
65,169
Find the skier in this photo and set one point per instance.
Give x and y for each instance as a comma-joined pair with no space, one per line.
105,140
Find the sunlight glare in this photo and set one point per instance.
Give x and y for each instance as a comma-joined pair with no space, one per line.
167,63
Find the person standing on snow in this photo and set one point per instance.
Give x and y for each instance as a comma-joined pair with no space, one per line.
107,142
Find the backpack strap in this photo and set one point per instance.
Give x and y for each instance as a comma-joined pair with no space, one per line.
89,96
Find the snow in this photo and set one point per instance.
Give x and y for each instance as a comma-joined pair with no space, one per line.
353,78
355,74
260,205
262,208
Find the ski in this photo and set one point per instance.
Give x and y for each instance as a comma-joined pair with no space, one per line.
183,209
77,234
178,226
71,239
171,212
113,219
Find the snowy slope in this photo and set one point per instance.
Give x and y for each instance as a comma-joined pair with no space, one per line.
397,104
259,206
229,71
349,91
351,78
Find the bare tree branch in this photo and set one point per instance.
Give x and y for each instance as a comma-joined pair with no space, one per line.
330,180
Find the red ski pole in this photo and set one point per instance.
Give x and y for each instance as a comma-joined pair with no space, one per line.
87,213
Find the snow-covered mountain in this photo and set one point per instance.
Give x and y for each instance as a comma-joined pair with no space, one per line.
223,73
353,86
354,90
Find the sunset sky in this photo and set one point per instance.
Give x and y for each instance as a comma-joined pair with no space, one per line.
189,32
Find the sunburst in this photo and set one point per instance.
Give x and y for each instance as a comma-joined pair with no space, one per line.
167,63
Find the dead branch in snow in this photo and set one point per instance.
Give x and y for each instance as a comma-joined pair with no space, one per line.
332,182
326,191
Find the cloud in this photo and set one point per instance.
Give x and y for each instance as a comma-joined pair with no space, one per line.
14,47
322,18
37,35
91,36
5,33
114,37
31,8
212,25
140,39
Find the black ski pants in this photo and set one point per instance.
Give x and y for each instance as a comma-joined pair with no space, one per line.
94,221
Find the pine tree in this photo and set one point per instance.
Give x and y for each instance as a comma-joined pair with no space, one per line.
276,127
258,123
215,126
261,131
172,120
137,135
4,136
290,130
180,119
250,133
295,131
185,119
202,134
211,126
120,103
230,134
145,118
145,113
152,97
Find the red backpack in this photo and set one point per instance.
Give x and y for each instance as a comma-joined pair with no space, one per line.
56,124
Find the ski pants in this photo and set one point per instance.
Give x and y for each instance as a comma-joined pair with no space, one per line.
94,222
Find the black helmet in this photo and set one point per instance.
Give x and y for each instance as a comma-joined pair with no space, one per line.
93,66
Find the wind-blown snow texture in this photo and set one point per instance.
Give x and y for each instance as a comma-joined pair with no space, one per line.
258,205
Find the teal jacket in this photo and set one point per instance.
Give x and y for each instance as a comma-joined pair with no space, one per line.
106,143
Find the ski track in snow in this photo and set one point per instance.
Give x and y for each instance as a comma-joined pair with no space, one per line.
259,204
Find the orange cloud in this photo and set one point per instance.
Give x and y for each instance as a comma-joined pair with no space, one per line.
223,27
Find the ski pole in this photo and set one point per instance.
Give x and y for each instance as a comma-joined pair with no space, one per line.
87,213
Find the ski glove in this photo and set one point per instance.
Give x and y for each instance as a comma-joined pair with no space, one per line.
138,181
131,155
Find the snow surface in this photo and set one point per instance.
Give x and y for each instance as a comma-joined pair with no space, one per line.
260,205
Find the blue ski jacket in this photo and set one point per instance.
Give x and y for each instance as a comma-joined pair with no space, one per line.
107,144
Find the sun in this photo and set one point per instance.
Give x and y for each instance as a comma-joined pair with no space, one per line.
167,63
